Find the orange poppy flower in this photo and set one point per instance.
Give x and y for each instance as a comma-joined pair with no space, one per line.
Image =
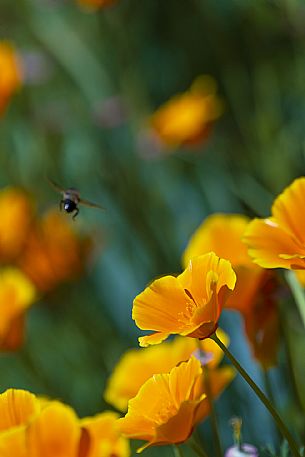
254,294
17,293
30,427
189,304
54,252
10,73
17,213
187,118
105,436
137,365
167,406
279,241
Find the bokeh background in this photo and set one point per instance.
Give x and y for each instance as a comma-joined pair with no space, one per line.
92,80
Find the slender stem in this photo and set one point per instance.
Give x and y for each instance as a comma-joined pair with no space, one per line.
196,447
280,424
177,451
297,292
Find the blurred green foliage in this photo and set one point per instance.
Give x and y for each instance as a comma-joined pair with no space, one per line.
136,55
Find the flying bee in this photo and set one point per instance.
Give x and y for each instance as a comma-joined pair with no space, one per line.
71,199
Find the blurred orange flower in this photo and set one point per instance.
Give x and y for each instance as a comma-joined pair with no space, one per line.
94,4
254,294
167,406
17,213
10,73
188,117
189,304
17,293
30,427
138,365
279,241
54,252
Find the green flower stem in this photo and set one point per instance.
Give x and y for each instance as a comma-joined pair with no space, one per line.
177,451
280,424
196,447
297,292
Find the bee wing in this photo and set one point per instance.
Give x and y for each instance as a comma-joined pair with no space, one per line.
90,204
55,186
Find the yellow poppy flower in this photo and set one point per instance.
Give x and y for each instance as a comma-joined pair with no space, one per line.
17,215
138,365
167,406
279,241
10,73
54,252
17,293
34,427
187,118
189,304
105,436
253,295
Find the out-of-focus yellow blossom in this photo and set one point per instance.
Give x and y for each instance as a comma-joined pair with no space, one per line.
17,293
54,252
168,406
10,73
138,365
30,427
279,241
105,436
253,295
17,213
187,118
189,304
95,4
17,409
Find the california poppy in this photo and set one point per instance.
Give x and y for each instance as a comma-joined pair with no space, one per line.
189,304
167,406
254,295
138,365
279,240
187,118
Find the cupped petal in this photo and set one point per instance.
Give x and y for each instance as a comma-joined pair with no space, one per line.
17,407
159,306
54,433
205,271
269,244
179,427
159,400
288,209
